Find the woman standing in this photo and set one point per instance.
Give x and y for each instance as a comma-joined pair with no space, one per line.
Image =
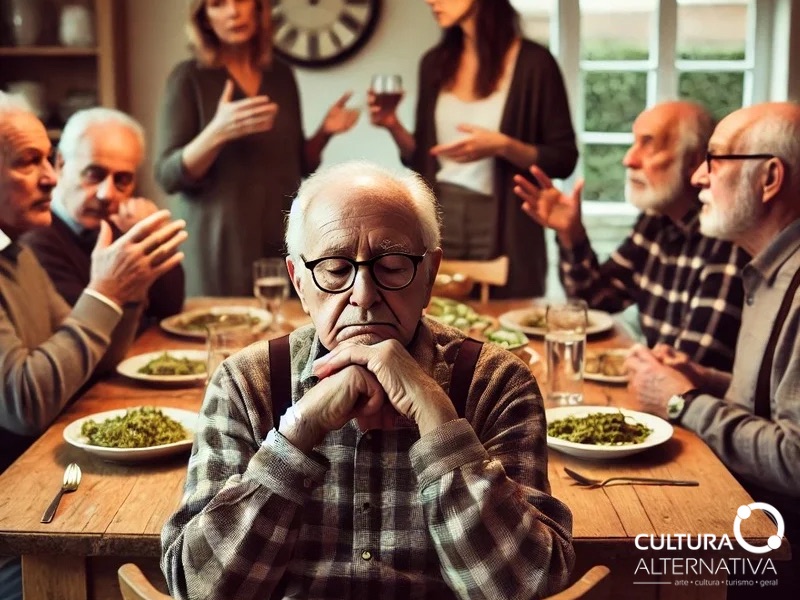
491,104
231,144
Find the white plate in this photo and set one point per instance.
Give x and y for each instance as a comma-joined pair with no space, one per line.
599,322
600,377
662,431
174,324
130,367
72,434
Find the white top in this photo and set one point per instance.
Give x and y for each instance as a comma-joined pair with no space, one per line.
452,112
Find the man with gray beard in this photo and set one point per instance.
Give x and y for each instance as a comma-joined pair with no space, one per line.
750,184
686,286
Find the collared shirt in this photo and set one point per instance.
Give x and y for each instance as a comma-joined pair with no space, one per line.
463,512
5,241
687,286
760,451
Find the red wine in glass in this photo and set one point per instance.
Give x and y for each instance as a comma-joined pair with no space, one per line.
388,90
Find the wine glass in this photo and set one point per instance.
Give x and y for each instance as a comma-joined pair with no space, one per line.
271,285
388,90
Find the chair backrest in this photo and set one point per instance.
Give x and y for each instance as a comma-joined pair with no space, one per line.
485,272
587,587
135,586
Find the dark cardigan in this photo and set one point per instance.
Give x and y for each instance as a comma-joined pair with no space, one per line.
536,112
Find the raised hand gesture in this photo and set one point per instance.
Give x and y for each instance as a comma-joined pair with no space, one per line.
550,208
238,118
339,117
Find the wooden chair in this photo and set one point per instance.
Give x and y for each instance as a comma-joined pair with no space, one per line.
587,587
485,272
135,586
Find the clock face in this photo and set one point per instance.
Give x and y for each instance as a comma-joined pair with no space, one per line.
316,33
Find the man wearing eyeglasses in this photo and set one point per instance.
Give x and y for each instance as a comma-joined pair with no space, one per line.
750,189
408,464
685,285
98,155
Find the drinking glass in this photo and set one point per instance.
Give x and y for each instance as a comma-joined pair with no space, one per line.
224,340
388,90
565,348
271,285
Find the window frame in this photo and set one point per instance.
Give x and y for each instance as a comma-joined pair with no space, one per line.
662,69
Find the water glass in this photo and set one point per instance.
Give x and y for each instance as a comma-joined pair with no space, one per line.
271,285
565,348
388,90
224,340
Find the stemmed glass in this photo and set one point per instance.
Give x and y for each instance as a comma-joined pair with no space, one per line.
271,285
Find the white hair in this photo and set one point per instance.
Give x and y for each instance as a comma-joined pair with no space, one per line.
407,186
10,103
80,122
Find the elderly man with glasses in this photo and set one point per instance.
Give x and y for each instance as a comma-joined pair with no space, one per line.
751,418
98,156
685,285
373,452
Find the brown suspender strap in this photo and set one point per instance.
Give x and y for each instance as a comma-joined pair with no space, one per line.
762,401
461,375
280,378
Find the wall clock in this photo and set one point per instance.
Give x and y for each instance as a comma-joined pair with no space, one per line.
317,33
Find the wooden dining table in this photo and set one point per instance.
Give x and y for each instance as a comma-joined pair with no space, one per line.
117,513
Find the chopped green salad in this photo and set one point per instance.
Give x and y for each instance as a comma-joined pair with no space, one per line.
166,364
137,428
602,429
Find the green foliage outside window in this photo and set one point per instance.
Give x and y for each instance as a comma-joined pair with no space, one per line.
614,99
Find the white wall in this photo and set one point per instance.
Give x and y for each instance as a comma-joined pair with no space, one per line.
156,42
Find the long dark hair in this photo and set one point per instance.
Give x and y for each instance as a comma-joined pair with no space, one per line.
496,26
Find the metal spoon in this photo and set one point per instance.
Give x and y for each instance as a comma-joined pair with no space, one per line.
72,478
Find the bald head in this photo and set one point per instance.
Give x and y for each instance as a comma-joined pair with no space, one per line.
768,128
360,183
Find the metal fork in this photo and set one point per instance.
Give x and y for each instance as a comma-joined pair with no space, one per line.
594,483
72,478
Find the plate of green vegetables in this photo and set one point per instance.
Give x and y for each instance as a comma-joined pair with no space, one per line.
134,434
603,432
172,367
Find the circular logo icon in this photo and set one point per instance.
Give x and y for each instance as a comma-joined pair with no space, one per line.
744,512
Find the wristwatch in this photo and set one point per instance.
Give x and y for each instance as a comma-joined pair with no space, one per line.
677,404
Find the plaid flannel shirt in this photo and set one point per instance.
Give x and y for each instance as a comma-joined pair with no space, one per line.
687,286
463,512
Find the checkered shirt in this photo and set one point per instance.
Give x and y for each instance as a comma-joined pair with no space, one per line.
687,286
463,512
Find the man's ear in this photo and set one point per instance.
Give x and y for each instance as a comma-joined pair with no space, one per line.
772,178
297,281
435,258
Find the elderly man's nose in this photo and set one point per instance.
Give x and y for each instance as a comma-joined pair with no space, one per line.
106,190
365,291
632,158
700,175
48,179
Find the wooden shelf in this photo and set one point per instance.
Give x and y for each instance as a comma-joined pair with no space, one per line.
28,51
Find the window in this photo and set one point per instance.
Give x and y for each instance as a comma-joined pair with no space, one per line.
630,54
